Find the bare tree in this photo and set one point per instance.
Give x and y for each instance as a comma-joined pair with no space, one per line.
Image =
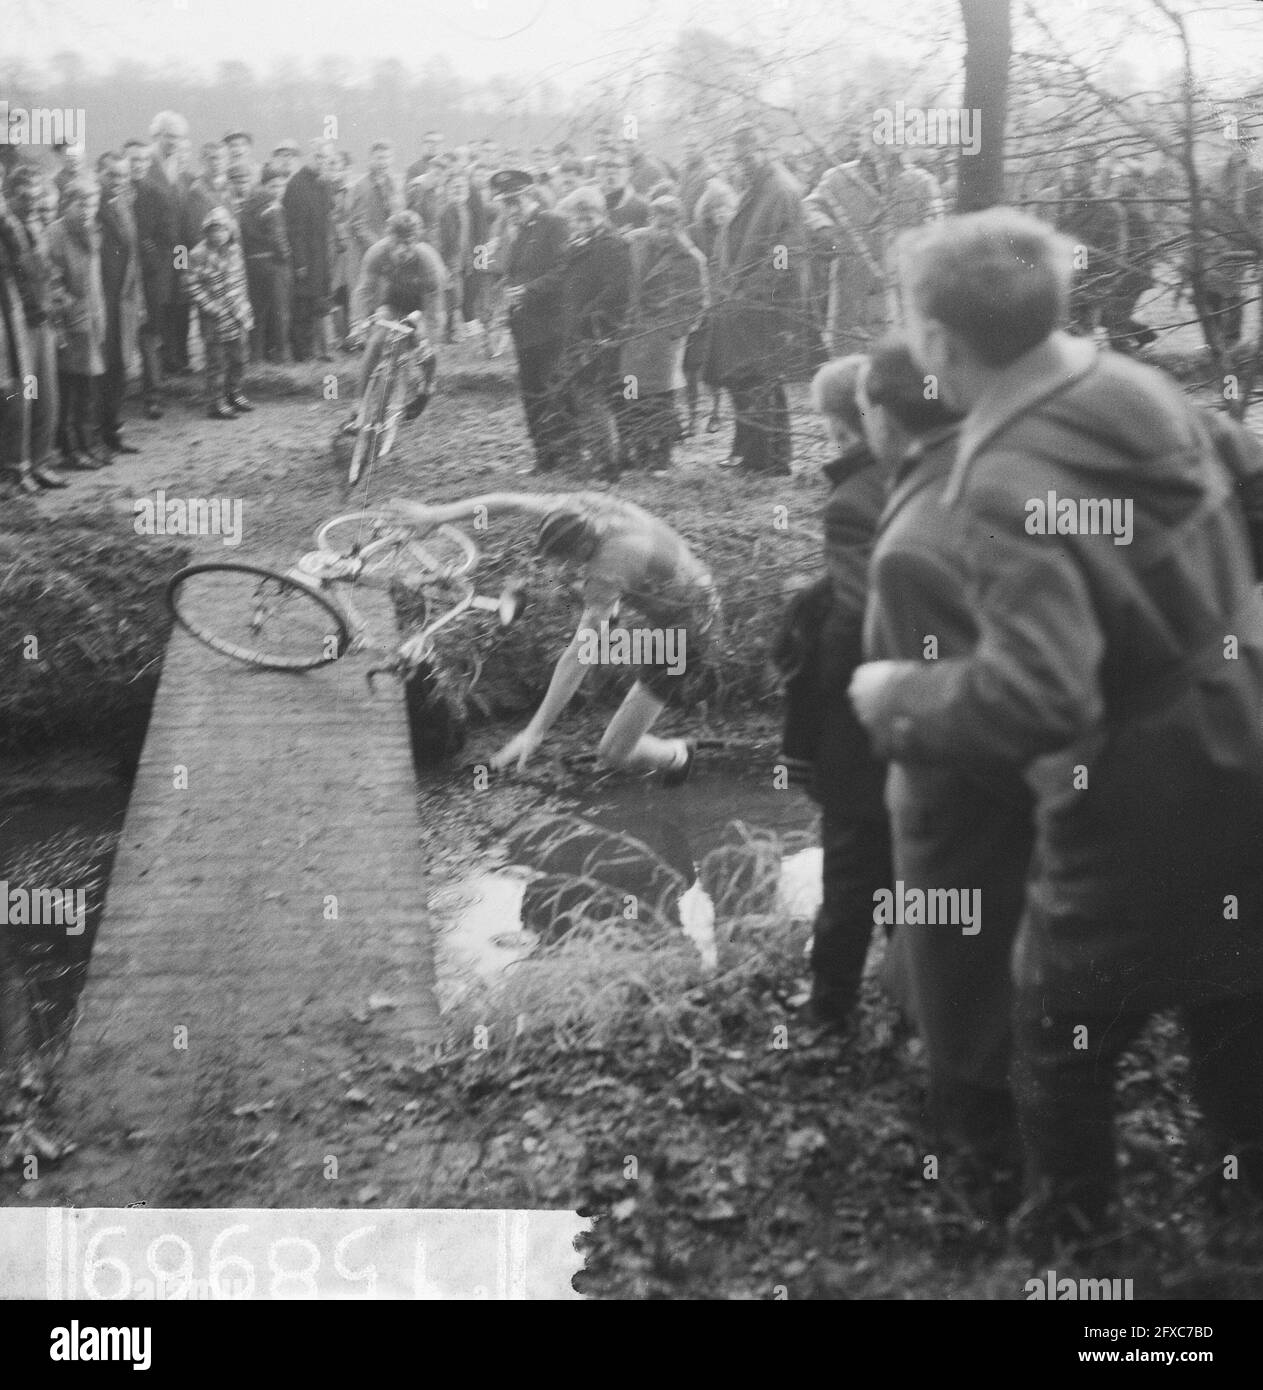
988,46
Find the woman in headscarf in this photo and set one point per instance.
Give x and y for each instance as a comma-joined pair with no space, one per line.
712,213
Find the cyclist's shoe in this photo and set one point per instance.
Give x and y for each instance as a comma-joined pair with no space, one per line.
221,410
677,776
240,402
416,405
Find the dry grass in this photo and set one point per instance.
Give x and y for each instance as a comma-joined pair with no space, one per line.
82,625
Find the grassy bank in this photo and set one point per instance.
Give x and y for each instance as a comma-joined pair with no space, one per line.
82,624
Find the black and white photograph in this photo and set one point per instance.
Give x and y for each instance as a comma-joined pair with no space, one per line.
631,661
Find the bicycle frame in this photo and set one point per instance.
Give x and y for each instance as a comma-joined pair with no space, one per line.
376,436
329,570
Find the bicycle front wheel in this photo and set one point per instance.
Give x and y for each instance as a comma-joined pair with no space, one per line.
258,616
370,423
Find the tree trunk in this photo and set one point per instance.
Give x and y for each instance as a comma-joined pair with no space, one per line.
988,44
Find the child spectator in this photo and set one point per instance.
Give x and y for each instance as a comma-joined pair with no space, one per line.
217,285
74,257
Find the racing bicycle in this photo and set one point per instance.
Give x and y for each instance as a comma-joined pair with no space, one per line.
405,352
304,617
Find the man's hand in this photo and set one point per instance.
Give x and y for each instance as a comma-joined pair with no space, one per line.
519,749
868,685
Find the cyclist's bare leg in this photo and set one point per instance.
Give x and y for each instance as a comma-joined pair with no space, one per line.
627,742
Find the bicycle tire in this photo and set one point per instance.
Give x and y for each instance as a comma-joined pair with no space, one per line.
328,539
287,585
369,425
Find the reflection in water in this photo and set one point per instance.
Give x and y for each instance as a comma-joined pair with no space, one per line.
630,840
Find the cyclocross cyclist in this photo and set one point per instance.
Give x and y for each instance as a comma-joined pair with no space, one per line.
399,275
624,554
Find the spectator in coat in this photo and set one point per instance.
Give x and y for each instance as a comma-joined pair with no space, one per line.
624,207
695,175
70,168
240,147
168,175
15,354
150,210
265,246
952,824
715,209
333,327
424,196
26,188
595,284
217,286
477,301
1119,669
531,263
1097,225
669,290
208,190
844,215
456,246
122,284
308,205
242,178
286,157
818,652
74,257
644,171
760,315
374,198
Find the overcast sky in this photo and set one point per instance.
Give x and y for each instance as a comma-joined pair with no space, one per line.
570,41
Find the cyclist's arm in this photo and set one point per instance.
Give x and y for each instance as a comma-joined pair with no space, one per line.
600,605
423,514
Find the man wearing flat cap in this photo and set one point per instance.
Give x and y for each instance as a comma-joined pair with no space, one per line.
532,249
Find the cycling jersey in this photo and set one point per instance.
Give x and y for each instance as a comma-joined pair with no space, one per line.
402,286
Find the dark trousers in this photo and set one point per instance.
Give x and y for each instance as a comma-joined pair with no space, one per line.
45,408
762,441
305,314
151,361
225,363
1065,1098
595,423
175,336
113,388
549,411
856,865
268,282
76,429
15,420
